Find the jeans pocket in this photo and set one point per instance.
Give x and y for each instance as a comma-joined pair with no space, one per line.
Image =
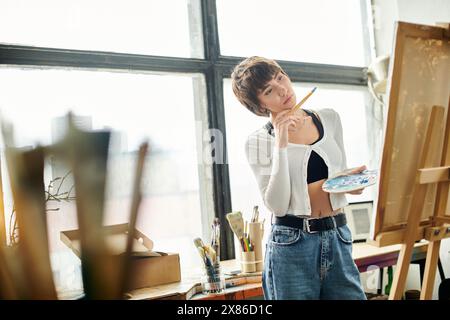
284,236
344,234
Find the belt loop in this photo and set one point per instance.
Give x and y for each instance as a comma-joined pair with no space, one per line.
334,222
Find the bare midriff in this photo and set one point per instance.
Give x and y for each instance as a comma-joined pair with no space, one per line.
320,200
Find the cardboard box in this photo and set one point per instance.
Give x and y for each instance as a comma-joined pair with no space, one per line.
148,268
153,271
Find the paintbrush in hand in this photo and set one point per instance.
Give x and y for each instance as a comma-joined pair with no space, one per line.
298,105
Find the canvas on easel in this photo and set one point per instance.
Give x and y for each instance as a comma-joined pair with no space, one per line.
413,179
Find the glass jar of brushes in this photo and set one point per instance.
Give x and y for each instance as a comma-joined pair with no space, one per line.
212,280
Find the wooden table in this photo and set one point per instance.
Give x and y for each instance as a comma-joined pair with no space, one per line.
242,286
246,286
367,255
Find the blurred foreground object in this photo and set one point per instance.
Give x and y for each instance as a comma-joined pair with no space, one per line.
25,270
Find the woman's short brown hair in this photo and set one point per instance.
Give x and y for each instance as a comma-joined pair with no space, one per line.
250,76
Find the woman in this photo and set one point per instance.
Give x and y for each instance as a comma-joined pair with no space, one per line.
309,251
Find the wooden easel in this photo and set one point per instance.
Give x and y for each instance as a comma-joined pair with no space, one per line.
434,233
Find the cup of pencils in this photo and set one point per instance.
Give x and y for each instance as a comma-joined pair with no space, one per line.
247,255
239,228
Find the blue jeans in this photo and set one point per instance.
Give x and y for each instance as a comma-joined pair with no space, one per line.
303,266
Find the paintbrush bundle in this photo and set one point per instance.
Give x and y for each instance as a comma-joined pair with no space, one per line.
105,275
86,153
212,281
255,215
207,253
256,232
25,270
215,238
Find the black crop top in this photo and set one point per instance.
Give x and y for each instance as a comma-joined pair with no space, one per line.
317,168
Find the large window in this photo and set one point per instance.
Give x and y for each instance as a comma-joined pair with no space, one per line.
135,106
154,27
319,31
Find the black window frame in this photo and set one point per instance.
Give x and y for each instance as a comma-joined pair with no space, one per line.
215,68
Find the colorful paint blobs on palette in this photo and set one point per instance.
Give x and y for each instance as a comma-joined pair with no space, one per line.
350,182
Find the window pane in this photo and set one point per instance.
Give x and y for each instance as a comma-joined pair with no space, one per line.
154,27
320,31
134,106
349,102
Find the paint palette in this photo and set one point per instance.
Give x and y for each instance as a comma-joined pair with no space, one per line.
345,182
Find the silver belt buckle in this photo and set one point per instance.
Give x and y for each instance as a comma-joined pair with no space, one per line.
307,227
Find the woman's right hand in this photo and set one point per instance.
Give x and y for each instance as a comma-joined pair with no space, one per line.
284,122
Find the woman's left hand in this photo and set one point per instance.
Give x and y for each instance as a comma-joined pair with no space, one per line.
357,170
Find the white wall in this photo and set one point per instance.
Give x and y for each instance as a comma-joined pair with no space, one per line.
385,13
